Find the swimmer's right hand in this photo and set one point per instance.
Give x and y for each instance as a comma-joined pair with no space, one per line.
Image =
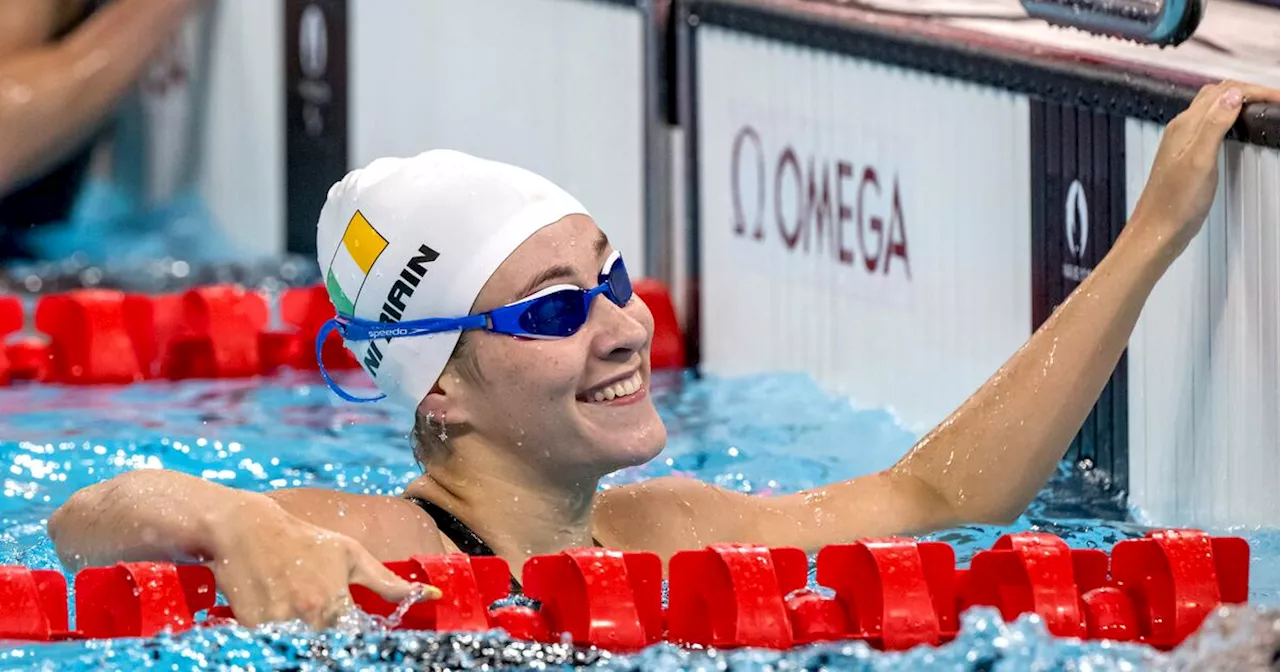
273,566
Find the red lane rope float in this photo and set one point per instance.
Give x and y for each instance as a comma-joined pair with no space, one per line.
141,599
892,593
733,595
28,359
90,344
667,350
468,586
35,604
1037,573
219,335
895,593
11,320
304,311
608,598
1175,578
98,336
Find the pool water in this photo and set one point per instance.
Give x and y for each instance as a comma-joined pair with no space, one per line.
775,433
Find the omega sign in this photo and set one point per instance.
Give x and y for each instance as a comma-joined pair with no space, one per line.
819,206
1077,225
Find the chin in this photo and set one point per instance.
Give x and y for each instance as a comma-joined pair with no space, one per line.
623,433
634,446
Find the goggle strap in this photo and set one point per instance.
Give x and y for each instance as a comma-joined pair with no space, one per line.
325,330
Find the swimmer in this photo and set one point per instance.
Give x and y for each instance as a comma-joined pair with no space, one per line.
524,357
64,67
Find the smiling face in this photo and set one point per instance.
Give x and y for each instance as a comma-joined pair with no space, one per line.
576,404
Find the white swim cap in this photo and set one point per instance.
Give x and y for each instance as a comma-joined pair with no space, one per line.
413,238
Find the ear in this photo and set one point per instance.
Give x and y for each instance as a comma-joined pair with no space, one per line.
446,402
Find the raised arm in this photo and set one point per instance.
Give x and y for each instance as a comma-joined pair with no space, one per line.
52,95
988,460
286,554
990,457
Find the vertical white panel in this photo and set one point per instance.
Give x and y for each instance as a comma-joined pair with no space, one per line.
1204,376
1248,356
241,173
555,86
1197,422
830,98
1211,472
917,345
1266,465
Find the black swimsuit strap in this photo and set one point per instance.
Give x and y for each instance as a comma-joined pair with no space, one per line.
462,536
466,540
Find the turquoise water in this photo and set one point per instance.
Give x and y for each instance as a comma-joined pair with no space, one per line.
777,433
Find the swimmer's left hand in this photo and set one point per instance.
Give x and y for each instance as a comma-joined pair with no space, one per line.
1184,176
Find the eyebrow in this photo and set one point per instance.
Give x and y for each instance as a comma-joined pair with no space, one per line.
561,271
557,272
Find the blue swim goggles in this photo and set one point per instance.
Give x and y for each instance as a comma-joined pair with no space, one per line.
558,311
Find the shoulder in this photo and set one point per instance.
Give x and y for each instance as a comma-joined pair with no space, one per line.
668,514
391,528
666,492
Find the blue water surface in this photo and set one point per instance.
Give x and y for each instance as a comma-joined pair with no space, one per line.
765,434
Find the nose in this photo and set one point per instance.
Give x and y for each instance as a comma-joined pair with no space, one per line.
619,332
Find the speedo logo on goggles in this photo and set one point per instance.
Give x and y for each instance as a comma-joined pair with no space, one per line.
388,333
558,311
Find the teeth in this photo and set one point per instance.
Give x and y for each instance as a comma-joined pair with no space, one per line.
622,389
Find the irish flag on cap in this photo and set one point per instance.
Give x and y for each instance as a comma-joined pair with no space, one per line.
360,247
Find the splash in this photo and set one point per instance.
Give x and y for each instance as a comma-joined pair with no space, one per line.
354,621
1232,638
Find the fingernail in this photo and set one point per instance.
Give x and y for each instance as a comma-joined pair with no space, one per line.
1232,98
432,593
